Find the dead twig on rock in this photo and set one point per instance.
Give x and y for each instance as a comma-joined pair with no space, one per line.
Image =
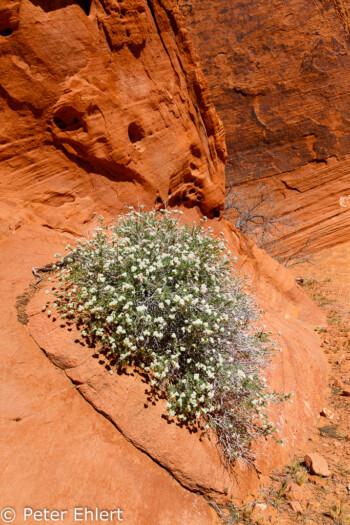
50,267
254,215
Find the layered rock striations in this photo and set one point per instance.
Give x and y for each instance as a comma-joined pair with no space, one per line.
102,105
98,95
279,77
191,457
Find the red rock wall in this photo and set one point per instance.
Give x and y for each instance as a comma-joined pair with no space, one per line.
104,99
102,104
279,74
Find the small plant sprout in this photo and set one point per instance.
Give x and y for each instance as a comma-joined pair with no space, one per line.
163,298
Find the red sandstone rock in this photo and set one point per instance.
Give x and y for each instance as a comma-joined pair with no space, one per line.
296,507
279,78
196,464
58,450
263,514
326,412
294,492
103,105
317,480
317,464
99,111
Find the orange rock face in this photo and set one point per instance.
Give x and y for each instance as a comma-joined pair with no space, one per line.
279,78
195,462
95,101
102,105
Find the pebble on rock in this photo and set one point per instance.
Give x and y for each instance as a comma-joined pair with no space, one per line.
317,464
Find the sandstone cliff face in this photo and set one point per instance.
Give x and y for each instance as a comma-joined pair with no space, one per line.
279,77
95,101
103,104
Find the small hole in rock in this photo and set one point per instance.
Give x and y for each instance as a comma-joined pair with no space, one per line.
216,212
195,150
175,200
59,123
193,166
55,5
67,119
127,32
6,32
85,5
192,191
136,132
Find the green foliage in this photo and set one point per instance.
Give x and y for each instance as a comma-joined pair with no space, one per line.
338,514
163,298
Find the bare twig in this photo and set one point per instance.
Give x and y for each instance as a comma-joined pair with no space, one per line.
49,267
254,214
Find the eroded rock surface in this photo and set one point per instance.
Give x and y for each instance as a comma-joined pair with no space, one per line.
104,99
279,77
102,105
191,458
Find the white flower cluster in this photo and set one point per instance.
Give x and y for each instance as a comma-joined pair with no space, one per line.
164,298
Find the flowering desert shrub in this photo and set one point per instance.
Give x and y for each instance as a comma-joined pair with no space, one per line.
163,298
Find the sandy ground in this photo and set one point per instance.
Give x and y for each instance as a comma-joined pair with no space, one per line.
294,494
